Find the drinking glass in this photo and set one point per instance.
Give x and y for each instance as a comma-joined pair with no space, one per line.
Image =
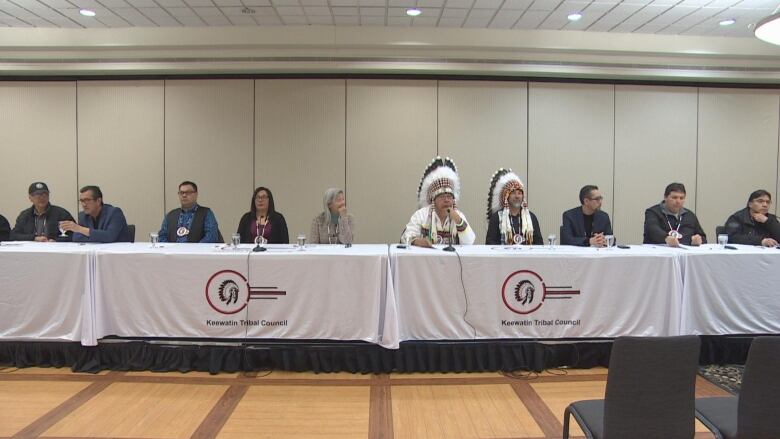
301,241
723,239
552,240
235,240
610,240
154,238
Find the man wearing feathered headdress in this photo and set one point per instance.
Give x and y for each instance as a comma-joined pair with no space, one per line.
509,220
438,221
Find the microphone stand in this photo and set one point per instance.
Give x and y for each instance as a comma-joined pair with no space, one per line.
450,248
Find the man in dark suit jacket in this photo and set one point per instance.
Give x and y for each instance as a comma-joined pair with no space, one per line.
98,222
586,225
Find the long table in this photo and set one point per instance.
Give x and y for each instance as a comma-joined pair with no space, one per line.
45,292
487,292
382,294
215,291
731,291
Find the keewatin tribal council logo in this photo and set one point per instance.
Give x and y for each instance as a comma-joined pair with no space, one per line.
228,292
525,291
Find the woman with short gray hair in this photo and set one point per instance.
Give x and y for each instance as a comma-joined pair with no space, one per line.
333,225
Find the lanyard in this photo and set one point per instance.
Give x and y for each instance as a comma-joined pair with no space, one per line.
675,230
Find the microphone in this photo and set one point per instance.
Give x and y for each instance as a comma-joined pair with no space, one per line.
450,248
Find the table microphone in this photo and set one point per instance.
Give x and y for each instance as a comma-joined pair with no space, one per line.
450,248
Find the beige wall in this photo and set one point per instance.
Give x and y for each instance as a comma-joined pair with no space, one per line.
139,139
652,125
299,145
737,151
482,126
115,153
570,144
209,128
37,143
391,137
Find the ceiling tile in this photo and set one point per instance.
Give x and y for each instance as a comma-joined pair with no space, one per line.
451,22
372,21
531,19
373,12
181,12
487,4
517,4
399,21
321,19
347,20
289,10
344,10
425,21
454,13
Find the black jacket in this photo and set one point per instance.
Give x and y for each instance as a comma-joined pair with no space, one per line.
24,229
5,229
657,226
573,232
742,229
493,236
279,233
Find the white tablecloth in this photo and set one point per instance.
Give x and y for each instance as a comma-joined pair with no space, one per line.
484,292
204,291
45,292
731,291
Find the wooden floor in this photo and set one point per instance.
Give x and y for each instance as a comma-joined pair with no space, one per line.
56,403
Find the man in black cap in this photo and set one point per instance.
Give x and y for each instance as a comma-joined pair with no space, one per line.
40,222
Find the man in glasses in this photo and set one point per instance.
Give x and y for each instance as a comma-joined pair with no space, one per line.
672,224
39,222
586,225
191,222
98,222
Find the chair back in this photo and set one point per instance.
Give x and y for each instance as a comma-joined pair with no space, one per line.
131,232
651,387
759,398
719,230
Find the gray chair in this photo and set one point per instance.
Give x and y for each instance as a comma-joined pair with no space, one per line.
755,414
719,230
131,232
650,391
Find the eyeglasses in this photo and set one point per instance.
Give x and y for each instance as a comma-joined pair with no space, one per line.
85,200
186,192
261,197
599,198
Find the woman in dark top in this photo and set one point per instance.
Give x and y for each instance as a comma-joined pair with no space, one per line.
263,219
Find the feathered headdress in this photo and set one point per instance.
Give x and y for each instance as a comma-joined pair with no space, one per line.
502,184
440,177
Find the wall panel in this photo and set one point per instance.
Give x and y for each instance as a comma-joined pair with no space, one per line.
38,143
300,145
570,145
738,132
391,137
482,126
209,127
121,141
655,144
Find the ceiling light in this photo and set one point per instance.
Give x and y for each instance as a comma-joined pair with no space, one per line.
574,16
768,29
413,12
728,22
87,13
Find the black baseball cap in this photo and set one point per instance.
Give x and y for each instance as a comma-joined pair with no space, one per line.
37,187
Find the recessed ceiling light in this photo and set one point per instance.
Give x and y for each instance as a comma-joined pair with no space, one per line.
574,16
728,22
413,12
87,13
